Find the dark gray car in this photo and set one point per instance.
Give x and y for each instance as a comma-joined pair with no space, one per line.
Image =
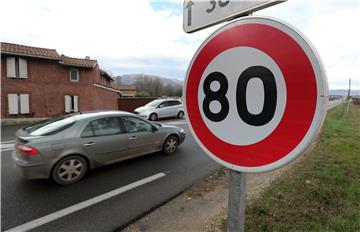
65,148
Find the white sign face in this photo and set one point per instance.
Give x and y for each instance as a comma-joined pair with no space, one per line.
199,14
255,94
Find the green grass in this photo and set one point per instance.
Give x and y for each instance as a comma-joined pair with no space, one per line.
322,192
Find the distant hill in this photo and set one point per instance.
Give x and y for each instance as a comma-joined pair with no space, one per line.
151,85
130,79
344,92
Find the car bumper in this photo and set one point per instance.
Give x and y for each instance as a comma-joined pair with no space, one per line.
144,116
141,114
28,170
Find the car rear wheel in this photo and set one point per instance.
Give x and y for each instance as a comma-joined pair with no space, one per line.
69,170
153,117
170,144
180,115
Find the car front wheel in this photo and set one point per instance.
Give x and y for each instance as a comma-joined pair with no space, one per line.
69,170
153,117
170,144
180,115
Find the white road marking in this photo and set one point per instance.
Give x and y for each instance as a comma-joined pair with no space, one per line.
10,141
332,104
61,213
4,146
7,145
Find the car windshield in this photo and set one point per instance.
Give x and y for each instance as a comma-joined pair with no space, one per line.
51,126
153,103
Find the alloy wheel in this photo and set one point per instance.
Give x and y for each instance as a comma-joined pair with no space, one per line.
70,170
171,145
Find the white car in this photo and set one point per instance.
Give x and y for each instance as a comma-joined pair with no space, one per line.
161,108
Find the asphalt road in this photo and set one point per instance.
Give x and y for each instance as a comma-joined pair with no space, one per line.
23,201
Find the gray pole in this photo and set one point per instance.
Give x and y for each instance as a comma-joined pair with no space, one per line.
237,197
348,98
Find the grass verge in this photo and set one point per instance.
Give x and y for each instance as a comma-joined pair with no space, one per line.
321,193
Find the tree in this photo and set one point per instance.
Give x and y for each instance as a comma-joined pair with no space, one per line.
142,94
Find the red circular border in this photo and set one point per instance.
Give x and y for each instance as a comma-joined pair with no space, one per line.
301,94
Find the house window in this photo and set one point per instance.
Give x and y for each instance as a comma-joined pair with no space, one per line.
18,103
71,104
104,81
16,67
74,75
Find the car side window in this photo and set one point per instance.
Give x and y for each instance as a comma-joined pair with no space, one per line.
175,103
164,104
88,131
102,126
134,125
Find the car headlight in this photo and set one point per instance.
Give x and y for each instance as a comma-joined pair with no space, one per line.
182,131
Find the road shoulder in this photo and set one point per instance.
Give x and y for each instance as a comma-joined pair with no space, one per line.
199,207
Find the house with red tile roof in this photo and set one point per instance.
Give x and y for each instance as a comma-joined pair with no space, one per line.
39,83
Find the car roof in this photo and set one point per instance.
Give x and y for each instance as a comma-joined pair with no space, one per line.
92,114
168,99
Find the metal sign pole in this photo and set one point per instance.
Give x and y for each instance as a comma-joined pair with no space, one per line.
236,203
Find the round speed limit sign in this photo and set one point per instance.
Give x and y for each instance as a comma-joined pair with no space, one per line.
255,94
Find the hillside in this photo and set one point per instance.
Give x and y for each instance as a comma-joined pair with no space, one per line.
131,79
151,85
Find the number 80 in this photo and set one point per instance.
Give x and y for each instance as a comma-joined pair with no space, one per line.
270,96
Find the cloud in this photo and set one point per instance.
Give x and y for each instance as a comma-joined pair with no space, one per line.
147,37
162,66
333,27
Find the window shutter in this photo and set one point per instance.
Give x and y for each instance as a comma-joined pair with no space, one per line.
76,105
13,104
23,68
67,104
10,66
24,104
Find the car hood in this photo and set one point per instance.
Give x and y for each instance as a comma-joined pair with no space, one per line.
143,109
165,127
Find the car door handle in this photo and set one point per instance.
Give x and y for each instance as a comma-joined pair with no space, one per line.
89,144
132,138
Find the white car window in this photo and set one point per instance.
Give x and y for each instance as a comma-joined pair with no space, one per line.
164,104
134,125
102,126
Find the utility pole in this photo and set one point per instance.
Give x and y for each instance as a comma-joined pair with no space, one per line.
348,98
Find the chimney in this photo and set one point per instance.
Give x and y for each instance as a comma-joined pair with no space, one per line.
87,57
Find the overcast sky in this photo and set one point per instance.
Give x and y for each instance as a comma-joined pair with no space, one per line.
141,36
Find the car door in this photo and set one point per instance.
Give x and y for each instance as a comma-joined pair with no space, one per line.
163,109
143,137
105,140
174,108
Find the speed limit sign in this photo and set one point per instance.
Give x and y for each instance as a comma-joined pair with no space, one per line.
255,94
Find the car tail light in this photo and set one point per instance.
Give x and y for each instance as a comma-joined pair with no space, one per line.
27,150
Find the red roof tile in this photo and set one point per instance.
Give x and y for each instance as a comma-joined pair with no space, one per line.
105,74
16,49
87,63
